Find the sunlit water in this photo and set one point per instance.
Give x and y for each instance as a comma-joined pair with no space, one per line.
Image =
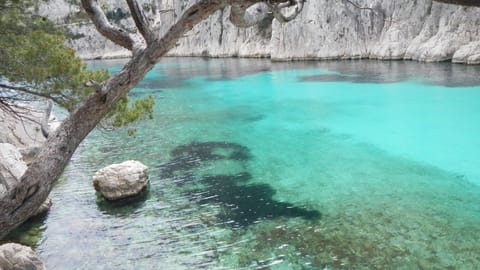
254,165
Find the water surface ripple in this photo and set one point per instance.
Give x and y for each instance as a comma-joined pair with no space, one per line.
260,165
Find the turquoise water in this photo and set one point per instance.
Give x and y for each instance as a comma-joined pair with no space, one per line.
259,165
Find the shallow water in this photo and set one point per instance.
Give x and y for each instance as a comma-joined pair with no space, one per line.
259,165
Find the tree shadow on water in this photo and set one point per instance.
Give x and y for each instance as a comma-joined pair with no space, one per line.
242,203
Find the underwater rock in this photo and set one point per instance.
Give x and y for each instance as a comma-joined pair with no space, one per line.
242,203
17,257
119,181
190,156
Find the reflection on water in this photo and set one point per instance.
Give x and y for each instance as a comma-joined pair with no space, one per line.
176,72
260,165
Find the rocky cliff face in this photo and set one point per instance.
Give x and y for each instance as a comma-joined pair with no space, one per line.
326,29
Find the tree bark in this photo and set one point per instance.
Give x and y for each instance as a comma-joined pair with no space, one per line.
21,201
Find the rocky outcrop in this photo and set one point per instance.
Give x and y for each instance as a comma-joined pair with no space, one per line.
12,166
18,257
120,181
20,139
419,30
24,130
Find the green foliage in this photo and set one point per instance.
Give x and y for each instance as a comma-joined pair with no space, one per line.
34,56
41,61
126,112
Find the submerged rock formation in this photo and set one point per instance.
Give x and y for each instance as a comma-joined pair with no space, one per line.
419,30
18,257
120,181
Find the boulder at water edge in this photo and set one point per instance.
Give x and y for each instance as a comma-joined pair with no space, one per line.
119,181
12,168
17,257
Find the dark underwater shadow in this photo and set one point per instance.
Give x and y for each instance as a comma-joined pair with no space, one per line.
242,203
245,204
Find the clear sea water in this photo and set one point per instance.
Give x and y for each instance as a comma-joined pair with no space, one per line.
260,165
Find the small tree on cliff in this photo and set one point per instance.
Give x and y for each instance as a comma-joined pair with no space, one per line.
147,48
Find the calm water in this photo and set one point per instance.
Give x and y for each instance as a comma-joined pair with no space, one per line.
254,165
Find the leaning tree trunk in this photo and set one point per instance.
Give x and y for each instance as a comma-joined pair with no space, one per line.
20,202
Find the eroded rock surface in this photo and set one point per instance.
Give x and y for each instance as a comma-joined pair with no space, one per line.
420,30
18,257
120,181
12,166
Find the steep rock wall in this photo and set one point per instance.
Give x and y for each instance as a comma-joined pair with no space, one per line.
327,29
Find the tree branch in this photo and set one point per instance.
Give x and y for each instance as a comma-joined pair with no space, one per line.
20,202
30,92
141,21
242,14
191,17
115,34
277,7
249,13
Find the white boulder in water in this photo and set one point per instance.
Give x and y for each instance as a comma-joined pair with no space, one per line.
119,181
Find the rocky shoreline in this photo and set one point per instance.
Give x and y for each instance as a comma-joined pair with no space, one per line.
21,136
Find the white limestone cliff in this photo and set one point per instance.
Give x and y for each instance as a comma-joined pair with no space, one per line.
327,29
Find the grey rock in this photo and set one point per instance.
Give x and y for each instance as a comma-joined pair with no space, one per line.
418,30
17,257
119,181
12,166
22,132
